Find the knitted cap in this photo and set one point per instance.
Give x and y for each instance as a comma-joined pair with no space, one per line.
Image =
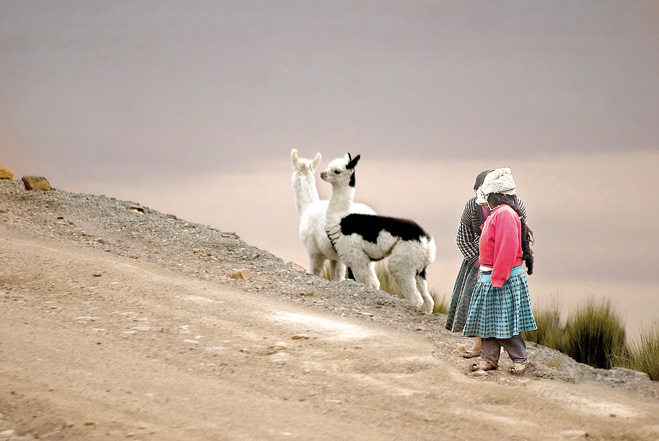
497,181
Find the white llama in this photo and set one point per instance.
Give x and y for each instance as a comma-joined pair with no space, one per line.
311,211
360,239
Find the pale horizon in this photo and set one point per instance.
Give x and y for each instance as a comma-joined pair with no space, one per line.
193,109
585,246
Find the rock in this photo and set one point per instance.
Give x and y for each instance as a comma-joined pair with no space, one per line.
135,208
7,434
36,183
554,363
618,375
297,267
277,347
242,274
574,434
87,318
462,347
5,173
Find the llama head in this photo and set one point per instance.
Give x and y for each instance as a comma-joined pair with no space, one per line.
341,171
304,166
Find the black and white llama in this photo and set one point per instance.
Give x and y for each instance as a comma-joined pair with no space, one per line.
311,210
360,239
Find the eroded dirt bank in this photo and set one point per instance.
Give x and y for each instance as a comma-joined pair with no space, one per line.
118,322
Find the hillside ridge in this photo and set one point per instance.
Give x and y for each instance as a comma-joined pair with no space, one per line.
128,229
126,232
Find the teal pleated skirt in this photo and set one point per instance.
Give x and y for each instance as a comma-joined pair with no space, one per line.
500,312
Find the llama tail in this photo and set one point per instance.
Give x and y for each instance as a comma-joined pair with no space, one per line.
432,251
422,282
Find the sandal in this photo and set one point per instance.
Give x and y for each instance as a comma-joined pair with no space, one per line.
471,354
520,368
482,366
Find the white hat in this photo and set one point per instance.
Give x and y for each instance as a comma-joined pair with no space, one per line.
497,181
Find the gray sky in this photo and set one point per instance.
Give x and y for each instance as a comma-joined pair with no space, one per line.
205,85
192,107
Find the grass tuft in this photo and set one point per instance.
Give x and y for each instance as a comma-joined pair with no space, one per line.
387,283
441,305
550,332
595,334
643,355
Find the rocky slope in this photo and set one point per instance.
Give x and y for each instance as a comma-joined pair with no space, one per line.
129,232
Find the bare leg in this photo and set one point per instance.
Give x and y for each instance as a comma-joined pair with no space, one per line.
476,345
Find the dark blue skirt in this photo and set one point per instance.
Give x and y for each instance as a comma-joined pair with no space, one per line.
464,286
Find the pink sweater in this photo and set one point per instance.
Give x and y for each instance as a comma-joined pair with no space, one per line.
500,245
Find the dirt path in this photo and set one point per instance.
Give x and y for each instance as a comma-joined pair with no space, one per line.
120,322
96,346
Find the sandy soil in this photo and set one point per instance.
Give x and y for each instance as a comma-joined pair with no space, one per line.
99,346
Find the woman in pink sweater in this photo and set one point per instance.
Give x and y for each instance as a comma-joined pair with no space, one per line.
500,308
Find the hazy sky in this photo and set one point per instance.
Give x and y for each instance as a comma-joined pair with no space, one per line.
192,85
193,107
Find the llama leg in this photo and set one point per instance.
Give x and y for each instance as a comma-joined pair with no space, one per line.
403,273
404,277
337,270
407,286
375,283
316,264
428,302
363,272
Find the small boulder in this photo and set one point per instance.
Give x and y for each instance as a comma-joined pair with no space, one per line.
36,183
297,267
242,274
5,173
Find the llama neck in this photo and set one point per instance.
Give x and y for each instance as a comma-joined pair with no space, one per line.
339,203
306,192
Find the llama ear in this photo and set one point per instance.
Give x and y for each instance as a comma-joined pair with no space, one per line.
294,157
353,162
316,160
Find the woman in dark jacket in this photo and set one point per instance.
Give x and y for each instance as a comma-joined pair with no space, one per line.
469,233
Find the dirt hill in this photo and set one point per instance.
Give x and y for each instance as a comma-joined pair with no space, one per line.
119,322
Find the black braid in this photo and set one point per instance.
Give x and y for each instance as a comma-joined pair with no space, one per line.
527,233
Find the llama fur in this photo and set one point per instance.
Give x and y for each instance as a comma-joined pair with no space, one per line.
360,239
312,213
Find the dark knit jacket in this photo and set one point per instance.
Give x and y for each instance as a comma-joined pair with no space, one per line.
469,230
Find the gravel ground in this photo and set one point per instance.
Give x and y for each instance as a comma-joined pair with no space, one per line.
131,230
